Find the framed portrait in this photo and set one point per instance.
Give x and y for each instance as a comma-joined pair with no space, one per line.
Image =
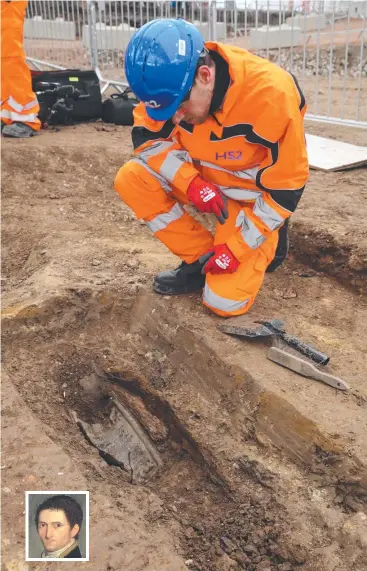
57,525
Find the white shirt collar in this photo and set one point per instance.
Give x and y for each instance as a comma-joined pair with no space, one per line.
48,554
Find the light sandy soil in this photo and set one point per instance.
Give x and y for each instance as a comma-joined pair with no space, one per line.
262,470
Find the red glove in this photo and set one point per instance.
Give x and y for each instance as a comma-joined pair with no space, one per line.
221,262
207,197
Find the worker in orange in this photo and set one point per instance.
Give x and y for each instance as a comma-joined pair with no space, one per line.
19,105
221,129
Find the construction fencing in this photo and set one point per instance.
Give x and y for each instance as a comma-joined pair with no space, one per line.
324,43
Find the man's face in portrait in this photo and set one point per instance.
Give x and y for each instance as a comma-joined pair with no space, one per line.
54,530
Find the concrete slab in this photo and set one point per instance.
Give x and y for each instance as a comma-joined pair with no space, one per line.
204,29
117,37
331,155
56,29
308,22
268,37
109,37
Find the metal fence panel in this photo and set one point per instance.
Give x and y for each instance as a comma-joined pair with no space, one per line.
116,22
323,42
53,34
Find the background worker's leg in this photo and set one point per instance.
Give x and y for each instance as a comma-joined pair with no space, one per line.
234,294
18,102
165,217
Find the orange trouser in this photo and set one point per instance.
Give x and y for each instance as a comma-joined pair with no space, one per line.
226,294
18,102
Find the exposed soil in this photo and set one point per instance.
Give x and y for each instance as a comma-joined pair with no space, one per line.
327,234
262,470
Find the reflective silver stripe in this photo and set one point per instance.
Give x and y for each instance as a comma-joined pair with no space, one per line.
14,104
162,181
30,105
240,193
161,221
173,162
30,118
19,107
249,232
247,174
222,303
268,215
155,149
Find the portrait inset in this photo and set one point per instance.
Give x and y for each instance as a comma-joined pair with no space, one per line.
57,526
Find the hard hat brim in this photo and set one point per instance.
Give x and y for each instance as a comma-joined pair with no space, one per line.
164,113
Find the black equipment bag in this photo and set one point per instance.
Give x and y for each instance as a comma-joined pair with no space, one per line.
87,106
119,108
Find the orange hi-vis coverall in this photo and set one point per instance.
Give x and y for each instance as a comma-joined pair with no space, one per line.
18,102
253,147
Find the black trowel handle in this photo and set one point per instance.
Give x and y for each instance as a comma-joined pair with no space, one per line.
310,352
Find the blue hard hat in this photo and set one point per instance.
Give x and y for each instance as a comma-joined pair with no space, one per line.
160,64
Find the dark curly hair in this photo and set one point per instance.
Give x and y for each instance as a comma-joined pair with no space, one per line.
67,504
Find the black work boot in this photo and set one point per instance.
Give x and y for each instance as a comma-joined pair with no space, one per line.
18,130
282,248
187,278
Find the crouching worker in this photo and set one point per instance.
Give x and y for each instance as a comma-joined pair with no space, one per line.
221,129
